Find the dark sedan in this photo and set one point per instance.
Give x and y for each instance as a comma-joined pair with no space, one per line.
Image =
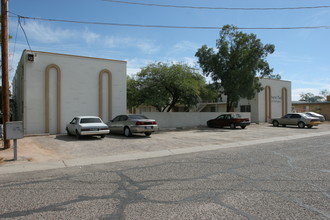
231,120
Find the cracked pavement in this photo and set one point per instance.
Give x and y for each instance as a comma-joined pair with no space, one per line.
279,180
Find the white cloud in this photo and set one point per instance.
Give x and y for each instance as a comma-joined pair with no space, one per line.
47,34
146,46
91,37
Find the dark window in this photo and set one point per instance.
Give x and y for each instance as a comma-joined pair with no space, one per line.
245,108
90,120
295,116
137,117
116,119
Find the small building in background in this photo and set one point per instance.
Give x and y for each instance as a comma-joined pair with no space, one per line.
49,89
322,108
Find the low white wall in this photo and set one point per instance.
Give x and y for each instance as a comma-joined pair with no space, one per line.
167,120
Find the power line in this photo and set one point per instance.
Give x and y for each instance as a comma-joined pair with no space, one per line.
215,8
167,26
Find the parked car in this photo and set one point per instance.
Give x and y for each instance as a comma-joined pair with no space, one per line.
231,120
130,123
316,115
87,125
300,119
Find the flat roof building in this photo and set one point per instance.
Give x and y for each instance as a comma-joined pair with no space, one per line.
49,89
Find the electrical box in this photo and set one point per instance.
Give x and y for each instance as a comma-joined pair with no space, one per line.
14,130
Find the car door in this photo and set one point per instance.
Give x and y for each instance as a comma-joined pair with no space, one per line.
73,125
114,124
219,122
294,119
285,120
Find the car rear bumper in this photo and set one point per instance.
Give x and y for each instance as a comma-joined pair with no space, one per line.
314,123
100,132
143,128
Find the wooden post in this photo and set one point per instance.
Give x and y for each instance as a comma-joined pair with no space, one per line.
5,81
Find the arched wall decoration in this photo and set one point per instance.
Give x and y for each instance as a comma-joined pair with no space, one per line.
268,103
107,72
284,101
58,98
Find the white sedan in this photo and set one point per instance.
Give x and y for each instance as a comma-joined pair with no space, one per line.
87,125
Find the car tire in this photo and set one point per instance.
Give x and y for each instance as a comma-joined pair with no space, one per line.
243,126
232,126
275,123
127,132
78,136
147,134
309,126
102,135
301,124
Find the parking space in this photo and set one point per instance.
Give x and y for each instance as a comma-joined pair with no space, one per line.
63,147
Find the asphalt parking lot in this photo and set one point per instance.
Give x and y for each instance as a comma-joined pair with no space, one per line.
88,150
59,147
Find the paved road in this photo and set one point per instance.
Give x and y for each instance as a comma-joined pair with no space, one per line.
279,180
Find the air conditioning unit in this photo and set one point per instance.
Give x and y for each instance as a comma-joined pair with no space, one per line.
30,57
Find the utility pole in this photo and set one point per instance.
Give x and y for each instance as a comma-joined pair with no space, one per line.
4,59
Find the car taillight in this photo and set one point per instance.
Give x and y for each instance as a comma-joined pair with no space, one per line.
139,123
154,122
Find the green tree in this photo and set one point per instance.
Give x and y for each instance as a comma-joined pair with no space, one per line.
239,59
163,86
310,97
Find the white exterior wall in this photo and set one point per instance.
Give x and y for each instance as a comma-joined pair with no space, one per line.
79,89
258,104
276,97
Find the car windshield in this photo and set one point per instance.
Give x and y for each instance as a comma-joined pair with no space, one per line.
90,120
236,116
137,117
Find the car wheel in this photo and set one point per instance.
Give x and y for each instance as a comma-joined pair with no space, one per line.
232,126
147,134
243,126
309,126
301,124
127,132
275,123
78,136
102,135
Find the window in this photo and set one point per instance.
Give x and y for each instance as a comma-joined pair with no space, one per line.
137,117
90,120
245,108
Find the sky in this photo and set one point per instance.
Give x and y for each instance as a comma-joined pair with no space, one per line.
301,55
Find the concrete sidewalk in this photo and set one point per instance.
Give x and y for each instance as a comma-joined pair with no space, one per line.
60,151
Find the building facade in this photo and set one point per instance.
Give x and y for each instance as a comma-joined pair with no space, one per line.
322,108
49,89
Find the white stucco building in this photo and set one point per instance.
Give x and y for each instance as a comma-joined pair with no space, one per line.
50,89
273,101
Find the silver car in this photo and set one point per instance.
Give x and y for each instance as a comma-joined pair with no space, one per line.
87,125
316,115
299,119
129,124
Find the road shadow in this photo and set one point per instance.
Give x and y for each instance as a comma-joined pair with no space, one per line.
72,138
292,127
123,137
